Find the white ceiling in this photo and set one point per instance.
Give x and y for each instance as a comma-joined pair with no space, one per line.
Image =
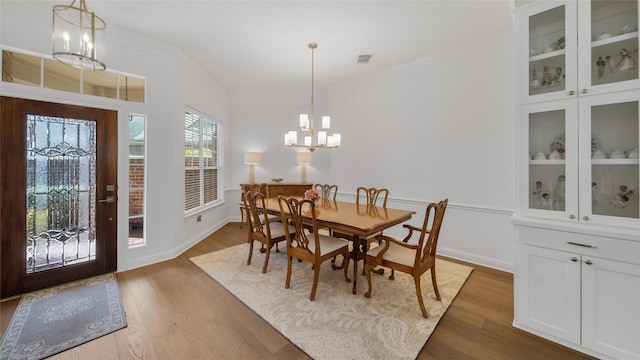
259,44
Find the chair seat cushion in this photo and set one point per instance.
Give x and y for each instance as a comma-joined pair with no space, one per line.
396,253
271,218
277,230
327,244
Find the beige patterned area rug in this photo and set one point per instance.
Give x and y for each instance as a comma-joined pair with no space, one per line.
56,319
337,324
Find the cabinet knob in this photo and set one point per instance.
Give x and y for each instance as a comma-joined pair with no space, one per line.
588,262
572,92
584,91
585,218
574,259
572,216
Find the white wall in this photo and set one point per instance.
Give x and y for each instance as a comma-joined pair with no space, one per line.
259,124
441,127
172,82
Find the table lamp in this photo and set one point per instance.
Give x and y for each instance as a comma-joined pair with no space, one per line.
252,159
303,159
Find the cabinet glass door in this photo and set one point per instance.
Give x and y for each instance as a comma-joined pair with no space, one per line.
550,60
551,167
611,174
610,41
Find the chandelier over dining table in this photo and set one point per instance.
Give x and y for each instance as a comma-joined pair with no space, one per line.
323,140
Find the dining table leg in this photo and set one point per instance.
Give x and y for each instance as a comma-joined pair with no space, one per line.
355,255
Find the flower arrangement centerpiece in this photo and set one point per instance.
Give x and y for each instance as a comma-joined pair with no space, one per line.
311,195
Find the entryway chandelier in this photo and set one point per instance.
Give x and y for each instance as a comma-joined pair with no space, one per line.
78,36
324,141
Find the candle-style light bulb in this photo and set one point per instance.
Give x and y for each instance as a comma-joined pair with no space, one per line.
322,138
66,37
293,137
326,122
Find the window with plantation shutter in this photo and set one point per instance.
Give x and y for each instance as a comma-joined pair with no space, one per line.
200,161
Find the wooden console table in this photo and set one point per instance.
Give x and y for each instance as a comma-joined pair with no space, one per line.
273,190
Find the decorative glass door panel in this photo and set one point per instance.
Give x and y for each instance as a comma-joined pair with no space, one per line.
614,172
61,192
547,173
614,41
549,142
547,60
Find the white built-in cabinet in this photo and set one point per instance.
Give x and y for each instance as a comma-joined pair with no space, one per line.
577,222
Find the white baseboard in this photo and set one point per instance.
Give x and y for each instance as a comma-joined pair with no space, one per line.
173,253
474,259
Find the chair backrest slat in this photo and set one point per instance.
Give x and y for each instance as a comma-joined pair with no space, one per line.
372,195
431,227
253,203
292,209
326,191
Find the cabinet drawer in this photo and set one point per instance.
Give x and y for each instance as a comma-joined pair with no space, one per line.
600,246
287,189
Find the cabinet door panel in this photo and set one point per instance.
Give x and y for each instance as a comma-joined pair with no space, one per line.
608,46
611,307
547,54
609,172
549,166
549,292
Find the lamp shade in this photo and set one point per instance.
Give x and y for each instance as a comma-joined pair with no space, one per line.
304,158
252,158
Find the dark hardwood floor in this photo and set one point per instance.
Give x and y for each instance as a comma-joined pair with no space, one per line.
175,311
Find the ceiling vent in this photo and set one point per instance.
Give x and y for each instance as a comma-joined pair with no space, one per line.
363,59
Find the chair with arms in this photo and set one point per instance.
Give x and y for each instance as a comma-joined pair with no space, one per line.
260,228
311,246
411,258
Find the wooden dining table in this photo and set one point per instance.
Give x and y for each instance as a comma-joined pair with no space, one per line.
359,221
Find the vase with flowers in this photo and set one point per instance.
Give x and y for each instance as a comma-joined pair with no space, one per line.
312,195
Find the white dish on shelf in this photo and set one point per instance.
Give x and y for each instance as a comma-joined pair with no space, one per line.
617,154
633,154
599,154
540,156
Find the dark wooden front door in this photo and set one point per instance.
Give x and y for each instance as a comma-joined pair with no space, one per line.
58,195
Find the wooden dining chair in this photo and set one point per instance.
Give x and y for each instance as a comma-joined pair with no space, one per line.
260,228
311,247
372,197
411,258
327,191
254,188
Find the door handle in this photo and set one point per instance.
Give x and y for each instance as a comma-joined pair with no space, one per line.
110,199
